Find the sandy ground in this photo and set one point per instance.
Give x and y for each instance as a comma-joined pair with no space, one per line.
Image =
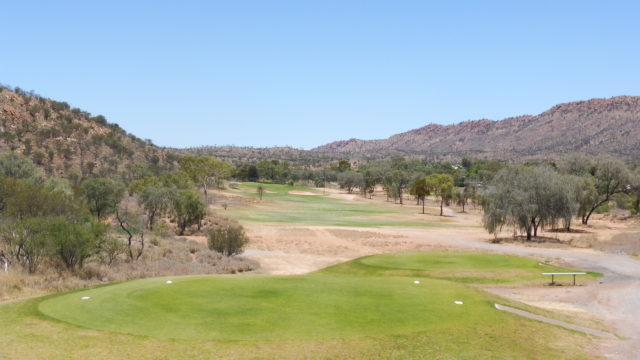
299,192
612,302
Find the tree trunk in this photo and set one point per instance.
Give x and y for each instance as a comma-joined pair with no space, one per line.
152,216
423,205
441,202
585,220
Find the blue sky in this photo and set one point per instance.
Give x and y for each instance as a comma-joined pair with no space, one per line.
304,73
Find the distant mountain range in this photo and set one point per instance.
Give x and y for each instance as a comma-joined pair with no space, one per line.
598,126
69,141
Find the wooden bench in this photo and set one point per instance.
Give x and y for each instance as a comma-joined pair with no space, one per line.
564,273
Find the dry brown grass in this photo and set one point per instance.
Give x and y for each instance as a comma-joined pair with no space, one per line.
170,257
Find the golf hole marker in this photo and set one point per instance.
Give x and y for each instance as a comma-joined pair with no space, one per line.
458,302
86,298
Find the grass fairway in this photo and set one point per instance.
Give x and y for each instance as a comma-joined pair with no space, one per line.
279,206
364,309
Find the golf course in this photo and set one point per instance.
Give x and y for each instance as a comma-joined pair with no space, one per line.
403,306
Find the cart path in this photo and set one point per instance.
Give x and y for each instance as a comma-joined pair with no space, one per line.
547,320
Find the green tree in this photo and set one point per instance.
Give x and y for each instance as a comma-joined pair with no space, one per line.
156,201
527,198
178,179
102,195
132,225
188,209
27,240
350,180
21,199
609,177
252,173
394,183
442,186
74,242
462,196
420,189
206,170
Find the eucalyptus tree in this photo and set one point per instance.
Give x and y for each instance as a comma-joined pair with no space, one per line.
462,196
395,182
187,209
420,189
156,201
527,198
102,195
206,171
442,186
609,176
350,180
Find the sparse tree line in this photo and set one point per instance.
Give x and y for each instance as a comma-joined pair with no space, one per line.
525,197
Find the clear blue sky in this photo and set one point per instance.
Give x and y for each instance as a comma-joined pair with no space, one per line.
304,73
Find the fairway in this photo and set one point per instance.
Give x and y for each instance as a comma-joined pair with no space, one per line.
364,299
281,204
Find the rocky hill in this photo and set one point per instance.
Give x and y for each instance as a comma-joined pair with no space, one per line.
597,126
70,142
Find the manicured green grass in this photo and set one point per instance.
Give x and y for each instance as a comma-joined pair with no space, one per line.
279,206
369,308
458,267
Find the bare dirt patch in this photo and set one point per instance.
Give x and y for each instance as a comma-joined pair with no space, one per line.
305,193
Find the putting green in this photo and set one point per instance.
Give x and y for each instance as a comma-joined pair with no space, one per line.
323,305
458,267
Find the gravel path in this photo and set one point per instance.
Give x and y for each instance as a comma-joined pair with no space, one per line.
615,298
529,315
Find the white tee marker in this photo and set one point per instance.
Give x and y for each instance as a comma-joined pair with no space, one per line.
416,282
458,302
169,282
86,298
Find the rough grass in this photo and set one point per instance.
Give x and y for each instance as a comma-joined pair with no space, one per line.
357,311
279,206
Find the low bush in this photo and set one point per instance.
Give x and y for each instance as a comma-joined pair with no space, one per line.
227,239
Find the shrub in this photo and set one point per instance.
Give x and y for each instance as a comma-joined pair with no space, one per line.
227,239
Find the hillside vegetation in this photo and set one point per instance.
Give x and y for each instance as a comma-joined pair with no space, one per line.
69,142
